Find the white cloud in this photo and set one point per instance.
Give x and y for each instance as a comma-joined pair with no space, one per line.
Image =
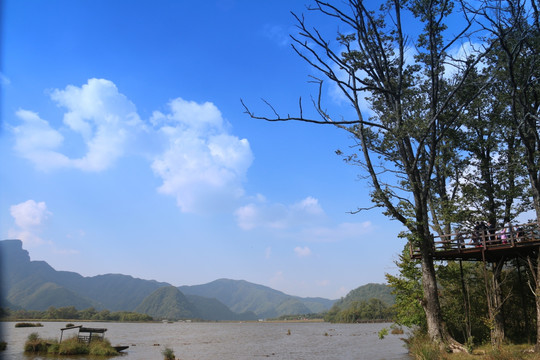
279,216
29,213
458,54
104,118
28,216
37,141
203,165
302,251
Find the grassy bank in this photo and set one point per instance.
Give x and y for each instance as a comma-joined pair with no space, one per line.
422,349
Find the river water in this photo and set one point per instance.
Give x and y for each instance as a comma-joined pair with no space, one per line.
227,341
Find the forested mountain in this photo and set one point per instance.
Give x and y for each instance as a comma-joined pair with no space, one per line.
365,303
35,285
241,296
366,293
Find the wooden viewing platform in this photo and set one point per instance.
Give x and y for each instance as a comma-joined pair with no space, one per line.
494,245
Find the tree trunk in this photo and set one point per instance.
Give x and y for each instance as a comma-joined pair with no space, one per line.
430,302
534,266
496,314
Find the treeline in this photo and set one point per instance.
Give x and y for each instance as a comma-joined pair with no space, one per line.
360,311
71,313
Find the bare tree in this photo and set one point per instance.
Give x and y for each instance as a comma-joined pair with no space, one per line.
412,107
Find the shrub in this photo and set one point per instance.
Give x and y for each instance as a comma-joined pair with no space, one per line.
383,333
3,345
168,354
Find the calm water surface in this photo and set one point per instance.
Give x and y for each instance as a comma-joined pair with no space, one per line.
228,341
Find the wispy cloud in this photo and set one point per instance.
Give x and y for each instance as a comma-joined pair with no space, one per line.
305,220
302,251
278,34
4,80
279,216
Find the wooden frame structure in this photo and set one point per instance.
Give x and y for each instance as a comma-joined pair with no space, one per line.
86,334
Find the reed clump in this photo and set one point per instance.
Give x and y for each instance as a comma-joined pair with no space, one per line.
27,324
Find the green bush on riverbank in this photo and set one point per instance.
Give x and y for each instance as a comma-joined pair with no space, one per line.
71,346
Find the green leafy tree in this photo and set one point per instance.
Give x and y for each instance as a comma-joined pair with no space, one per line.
408,292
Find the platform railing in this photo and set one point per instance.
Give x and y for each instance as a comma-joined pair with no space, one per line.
511,236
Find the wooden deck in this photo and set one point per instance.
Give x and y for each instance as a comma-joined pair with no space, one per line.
521,240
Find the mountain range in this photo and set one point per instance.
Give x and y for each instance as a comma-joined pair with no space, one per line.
35,285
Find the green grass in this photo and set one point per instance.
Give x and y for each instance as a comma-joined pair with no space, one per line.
421,348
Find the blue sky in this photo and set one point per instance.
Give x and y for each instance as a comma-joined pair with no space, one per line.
125,148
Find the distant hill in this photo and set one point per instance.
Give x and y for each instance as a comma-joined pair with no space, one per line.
366,293
35,285
168,303
214,310
242,296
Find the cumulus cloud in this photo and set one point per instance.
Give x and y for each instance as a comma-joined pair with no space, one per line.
97,112
203,165
302,251
28,217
